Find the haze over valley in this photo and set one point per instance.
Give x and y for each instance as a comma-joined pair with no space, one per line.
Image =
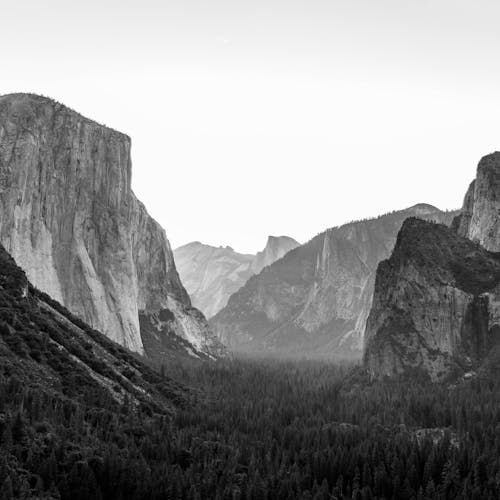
250,250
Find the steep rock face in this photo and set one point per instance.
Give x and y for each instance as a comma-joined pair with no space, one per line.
314,301
480,217
276,247
212,274
436,304
71,221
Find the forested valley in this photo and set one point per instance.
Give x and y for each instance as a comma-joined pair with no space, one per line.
257,430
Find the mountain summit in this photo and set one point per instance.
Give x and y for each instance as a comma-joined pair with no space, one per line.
212,274
314,301
71,221
436,305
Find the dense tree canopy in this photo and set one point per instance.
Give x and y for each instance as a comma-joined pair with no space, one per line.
257,430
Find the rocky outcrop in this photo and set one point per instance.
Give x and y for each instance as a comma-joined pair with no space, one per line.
436,305
436,301
70,219
480,216
315,300
276,247
212,274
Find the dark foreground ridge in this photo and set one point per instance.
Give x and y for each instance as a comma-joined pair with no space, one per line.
45,345
60,378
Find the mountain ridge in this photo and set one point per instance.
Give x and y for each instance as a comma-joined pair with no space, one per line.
314,301
44,344
436,306
212,274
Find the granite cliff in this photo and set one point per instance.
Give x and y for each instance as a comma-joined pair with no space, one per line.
276,247
436,305
314,301
479,219
212,274
71,221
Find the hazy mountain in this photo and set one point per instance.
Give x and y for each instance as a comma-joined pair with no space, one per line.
71,221
212,274
437,299
276,247
315,300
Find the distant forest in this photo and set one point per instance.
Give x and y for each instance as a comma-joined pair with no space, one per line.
257,430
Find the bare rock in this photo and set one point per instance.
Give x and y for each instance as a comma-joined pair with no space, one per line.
212,274
436,304
314,301
71,221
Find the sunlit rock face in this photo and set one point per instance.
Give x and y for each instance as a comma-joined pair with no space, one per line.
276,247
480,217
314,301
212,274
71,221
436,304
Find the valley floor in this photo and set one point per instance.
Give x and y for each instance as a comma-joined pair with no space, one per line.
260,430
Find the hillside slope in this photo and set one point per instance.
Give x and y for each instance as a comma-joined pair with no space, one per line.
314,302
45,346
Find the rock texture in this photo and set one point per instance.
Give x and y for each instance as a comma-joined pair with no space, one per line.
480,216
212,274
70,219
436,305
276,247
314,301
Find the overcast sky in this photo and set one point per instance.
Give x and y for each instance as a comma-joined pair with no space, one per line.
259,117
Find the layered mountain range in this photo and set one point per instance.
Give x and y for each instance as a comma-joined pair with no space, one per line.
71,221
436,305
314,301
212,274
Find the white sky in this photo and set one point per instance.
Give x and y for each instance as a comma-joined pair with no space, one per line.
260,117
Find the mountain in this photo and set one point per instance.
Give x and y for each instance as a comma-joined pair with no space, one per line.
276,247
433,302
71,221
436,305
49,350
479,219
212,274
314,301
73,403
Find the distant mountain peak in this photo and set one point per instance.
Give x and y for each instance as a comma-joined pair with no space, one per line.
314,301
212,274
424,208
273,240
